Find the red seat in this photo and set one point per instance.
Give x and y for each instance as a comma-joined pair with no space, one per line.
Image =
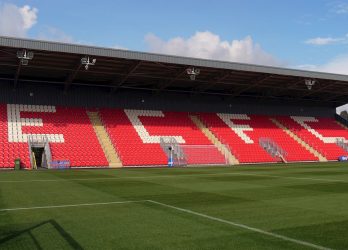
140,146
135,135
247,149
320,133
80,145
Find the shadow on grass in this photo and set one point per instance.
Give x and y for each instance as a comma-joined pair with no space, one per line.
29,233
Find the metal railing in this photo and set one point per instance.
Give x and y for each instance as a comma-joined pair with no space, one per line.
272,147
173,150
341,142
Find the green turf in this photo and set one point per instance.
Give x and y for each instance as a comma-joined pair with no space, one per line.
305,202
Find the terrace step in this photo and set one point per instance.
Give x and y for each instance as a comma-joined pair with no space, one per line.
220,146
299,140
104,140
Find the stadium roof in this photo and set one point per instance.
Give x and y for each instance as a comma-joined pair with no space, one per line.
60,63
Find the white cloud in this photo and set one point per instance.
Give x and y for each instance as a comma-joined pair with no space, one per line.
341,8
29,16
53,34
210,46
119,47
337,65
325,40
16,21
307,66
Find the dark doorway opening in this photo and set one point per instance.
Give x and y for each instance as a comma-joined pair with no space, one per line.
38,153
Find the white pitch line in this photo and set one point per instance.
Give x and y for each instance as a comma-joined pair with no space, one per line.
174,176
253,229
300,242
69,205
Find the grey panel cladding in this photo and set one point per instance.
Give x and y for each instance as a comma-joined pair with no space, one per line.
92,97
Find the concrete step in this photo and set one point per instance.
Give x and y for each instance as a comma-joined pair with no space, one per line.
299,140
221,147
115,165
104,140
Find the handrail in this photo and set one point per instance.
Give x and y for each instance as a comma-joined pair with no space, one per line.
272,147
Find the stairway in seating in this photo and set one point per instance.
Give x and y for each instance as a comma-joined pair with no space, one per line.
221,147
104,140
300,141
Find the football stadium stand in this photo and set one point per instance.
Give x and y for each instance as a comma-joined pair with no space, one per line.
243,132
136,136
320,133
67,105
70,134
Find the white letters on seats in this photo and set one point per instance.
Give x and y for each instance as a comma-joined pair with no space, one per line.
238,128
133,116
15,122
302,121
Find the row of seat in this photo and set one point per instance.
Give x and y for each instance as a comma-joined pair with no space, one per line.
69,131
327,128
136,134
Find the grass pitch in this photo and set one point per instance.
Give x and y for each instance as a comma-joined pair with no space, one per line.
300,206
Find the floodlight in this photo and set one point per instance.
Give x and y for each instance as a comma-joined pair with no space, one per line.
193,72
84,60
20,53
309,83
24,56
87,62
30,55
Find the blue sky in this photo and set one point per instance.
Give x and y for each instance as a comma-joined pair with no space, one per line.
308,34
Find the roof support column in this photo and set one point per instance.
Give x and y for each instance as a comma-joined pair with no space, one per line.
15,82
71,77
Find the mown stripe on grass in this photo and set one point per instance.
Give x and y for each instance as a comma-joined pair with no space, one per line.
253,229
173,176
